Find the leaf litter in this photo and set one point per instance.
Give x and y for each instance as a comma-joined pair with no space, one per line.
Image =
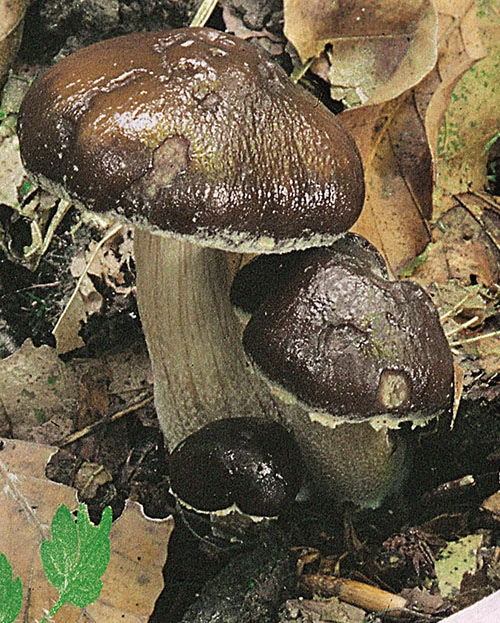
75,555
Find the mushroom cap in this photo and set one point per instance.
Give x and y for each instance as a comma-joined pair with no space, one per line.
348,343
247,463
263,275
196,133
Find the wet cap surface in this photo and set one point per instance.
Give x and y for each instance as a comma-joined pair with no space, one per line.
194,132
346,341
250,462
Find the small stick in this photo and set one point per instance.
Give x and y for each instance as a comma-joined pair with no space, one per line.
462,326
92,427
477,338
356,593
456,309
203,13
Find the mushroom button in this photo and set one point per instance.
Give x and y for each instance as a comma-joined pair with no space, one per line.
206,146
348,345
252,465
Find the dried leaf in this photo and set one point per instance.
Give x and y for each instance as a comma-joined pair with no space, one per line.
321,610
12,171
460,46
472,118
396,144
11,30
28,503
273,43
398,174
492,505
85,299
375,50
465,247
133,579
38,393
455,560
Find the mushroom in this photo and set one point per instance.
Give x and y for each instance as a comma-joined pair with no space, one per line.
359,355
202,143
250,465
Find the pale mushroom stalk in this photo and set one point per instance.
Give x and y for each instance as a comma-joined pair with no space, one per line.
194,339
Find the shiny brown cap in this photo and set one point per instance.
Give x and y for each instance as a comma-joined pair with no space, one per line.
194,132
248,462
345,341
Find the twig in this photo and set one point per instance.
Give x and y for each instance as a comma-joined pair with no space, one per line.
41,248
477,338
203,13
105,420
357,593
462,326
456,309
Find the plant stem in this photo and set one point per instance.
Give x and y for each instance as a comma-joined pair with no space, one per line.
55,608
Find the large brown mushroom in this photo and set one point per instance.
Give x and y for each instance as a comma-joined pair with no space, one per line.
206,146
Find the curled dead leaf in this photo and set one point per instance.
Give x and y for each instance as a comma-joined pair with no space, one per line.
369,52
472,118
398,175
466,245
460,45
37,393
397,141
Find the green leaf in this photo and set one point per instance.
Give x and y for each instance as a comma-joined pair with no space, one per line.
59,554
77,555
11,592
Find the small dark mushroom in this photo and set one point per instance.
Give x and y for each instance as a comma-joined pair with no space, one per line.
248,464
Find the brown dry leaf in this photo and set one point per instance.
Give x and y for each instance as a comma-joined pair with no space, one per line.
465,247
28,504
38,394
111,258
11,30
394,142
492,505
321,610
472,118
461,44
487,351
85,300
374,50
273,43
133,579
12,171
398,174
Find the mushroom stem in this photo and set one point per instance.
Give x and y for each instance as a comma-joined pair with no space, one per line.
200,369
